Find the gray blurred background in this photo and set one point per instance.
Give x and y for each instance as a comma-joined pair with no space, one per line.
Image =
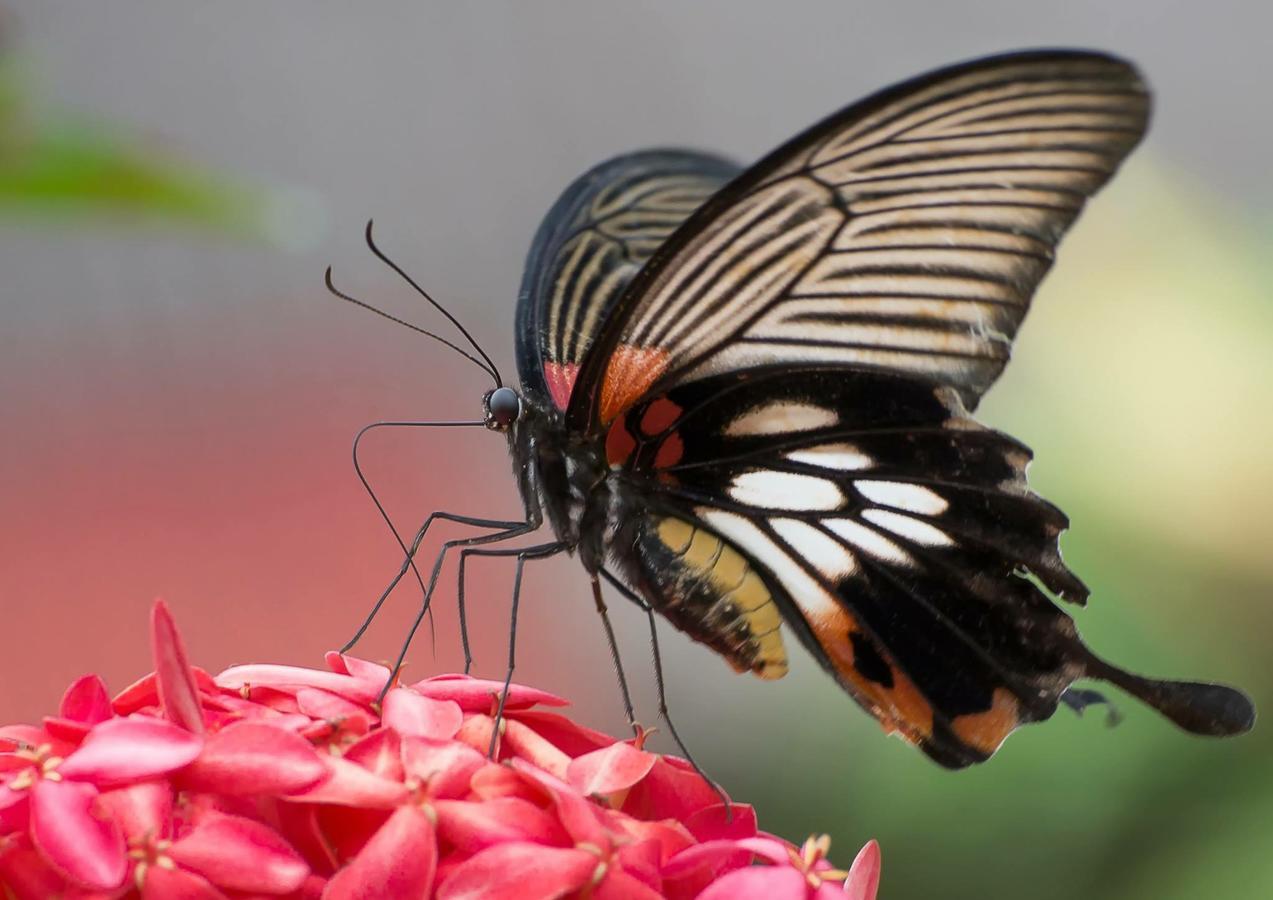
178,392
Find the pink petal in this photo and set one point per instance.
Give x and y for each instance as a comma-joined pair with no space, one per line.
578,816
470,827
67,729
380,753
357,668
144,693
177,884
121,750
178,695
447,767
398,862
670,836
87,701
253,758
642,860
410,713
24,872
519,872
758,883
478,695
69,834
15,810
524,743
496,780
619,885
294,677
141,810
707,856
349,784
672,790
864,874
609,769
476,732
299,824
565,734
319,704
240,855
736,822
768,848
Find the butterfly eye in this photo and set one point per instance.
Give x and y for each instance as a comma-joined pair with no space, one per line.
503,406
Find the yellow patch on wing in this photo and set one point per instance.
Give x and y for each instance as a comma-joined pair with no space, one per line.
711,559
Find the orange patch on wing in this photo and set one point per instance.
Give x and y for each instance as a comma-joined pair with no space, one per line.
560,378
629,374
985,731
900,709
659,416
619,442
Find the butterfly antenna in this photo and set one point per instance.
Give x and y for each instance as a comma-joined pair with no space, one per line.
327,278
371,243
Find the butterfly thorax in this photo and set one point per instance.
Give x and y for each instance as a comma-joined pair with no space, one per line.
565,476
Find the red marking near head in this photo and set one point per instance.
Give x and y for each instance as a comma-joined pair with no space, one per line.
629,374
561,381
670,451
659,416
619,442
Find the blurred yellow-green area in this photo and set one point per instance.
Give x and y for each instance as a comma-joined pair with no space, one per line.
178,392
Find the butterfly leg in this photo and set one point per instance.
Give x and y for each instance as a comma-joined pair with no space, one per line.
409,554
539,551
507,528
660,686
520,528
614,654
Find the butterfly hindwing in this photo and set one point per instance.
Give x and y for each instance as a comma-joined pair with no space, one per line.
590,245
906,233
894,534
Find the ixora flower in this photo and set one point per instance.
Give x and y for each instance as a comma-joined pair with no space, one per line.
279,781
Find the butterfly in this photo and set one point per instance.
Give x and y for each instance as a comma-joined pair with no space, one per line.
747,394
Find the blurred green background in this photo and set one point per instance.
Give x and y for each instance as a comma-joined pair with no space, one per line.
178,392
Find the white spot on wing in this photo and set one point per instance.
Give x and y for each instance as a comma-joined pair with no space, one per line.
911,529
822,551
785,490
781,417
911,497
813,599
843,457
868,540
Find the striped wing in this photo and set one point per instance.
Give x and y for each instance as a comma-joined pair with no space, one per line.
895,536
592,242
906,233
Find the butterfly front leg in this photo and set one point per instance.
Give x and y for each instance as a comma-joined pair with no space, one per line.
523,554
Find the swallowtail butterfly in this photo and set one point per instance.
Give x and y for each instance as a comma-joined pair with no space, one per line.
746,397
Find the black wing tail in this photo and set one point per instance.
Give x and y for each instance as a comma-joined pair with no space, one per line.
1198,707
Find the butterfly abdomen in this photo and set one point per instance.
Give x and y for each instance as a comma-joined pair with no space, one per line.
708,589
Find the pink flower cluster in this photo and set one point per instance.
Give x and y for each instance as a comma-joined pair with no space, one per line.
276,781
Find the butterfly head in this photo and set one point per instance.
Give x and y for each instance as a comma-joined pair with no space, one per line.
502,407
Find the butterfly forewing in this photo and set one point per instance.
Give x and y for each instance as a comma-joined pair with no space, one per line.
906,233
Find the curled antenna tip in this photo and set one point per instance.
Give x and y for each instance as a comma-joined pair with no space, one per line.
370,224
